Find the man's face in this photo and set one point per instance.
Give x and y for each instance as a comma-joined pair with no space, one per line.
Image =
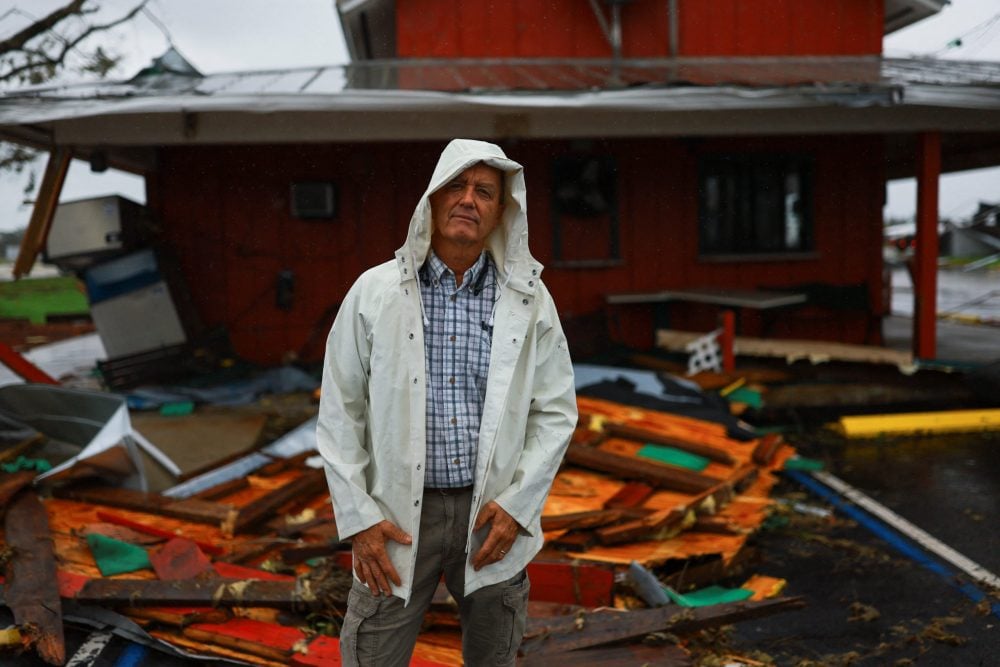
467,208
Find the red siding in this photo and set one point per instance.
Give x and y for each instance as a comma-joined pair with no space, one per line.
226,216
568,28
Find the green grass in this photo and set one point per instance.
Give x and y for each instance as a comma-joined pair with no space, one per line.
36,298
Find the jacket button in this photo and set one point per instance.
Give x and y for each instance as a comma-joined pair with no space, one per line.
414,380
411,336
406,270
416,503
418,466
531,283
524,301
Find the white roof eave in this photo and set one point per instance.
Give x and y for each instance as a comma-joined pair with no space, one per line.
362,115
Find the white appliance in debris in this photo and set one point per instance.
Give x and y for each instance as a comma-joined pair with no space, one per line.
87,230
131,305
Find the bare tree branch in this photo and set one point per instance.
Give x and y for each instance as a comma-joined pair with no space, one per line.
18,41
39,58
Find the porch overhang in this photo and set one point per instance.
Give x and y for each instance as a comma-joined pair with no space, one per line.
506,99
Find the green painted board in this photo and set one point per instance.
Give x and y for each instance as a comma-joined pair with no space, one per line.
708,596
803,463
673,456
745,395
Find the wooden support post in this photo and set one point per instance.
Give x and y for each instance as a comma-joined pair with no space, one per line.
45,208
925,265
31,589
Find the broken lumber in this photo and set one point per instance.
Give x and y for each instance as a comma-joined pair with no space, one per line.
154,531
553,636
11,483
304,487
655,438
196,511
31,589
658,475
664,655
763,453
197,593
586,519
631,494
714,497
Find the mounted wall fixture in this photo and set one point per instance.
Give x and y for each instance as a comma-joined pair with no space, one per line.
314,200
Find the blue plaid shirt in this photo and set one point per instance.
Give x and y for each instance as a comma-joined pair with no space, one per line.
457,343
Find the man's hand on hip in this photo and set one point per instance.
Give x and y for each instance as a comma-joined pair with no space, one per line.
371,561
503,532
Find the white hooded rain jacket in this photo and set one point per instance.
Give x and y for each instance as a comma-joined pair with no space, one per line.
371,430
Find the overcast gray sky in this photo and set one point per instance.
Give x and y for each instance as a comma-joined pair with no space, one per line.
241,35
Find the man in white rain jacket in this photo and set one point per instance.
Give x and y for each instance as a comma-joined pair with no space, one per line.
447,405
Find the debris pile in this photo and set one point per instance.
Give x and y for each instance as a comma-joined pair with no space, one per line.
236,556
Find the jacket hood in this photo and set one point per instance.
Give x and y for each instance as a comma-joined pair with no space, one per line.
508,243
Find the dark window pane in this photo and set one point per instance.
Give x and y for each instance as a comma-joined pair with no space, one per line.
754,204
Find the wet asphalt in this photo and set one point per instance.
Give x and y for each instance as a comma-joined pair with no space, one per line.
868,603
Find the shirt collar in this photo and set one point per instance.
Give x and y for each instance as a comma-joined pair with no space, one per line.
434,268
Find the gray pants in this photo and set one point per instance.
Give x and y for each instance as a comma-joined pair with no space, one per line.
381,632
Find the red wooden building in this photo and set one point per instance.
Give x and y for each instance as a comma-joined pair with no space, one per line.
668,144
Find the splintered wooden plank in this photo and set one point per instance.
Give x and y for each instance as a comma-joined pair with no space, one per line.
189,509
659,438
10,484
267,640
632,494
222,490
179,616
154,531
582,520
554,636
710,500
195,593
31,588
321,651
657,475
637,529
305,486
767,447
666,655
